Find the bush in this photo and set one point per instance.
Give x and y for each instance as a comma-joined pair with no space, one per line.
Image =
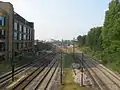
85,49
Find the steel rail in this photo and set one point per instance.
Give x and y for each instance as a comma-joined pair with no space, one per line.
101,85
49,81
42,78
108,75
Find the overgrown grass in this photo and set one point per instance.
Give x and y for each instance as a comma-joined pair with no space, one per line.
112,61
5,66
114,66
68,81
67,61
24,59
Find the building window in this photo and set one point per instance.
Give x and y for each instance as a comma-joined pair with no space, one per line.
15,26
15,35
27,37
24,30
24,37
2,21
20,36
3,32
29,31
20,28
30,37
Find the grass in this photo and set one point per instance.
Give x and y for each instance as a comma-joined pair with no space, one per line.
110,61
5,66
24,59
68,81
67,61
114,66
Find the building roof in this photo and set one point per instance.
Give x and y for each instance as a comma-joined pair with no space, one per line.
24,21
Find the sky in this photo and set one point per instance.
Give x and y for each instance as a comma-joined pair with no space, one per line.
61,19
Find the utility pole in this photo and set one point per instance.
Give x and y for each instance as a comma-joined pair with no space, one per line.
13,53
66,47
82,69
13,65
61,63
73,49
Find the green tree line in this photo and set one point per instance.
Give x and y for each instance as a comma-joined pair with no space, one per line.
106,38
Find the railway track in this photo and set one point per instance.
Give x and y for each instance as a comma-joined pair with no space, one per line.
112,77
29,80
46,79
113,74
5,78
22,84
103,78
99,84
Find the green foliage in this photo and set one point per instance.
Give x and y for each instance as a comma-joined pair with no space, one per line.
94,41
43,46
85,49
67,61
111,31
81,40
106,39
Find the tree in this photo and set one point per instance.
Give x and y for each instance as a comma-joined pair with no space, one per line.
81,40
111,30
93,38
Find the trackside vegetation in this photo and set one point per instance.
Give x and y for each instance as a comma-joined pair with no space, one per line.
103,42
68,81
25,57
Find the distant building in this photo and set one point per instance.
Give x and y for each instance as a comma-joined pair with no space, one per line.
16,33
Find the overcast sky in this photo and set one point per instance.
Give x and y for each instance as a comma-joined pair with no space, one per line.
57,19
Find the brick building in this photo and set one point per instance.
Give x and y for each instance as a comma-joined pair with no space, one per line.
16,33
